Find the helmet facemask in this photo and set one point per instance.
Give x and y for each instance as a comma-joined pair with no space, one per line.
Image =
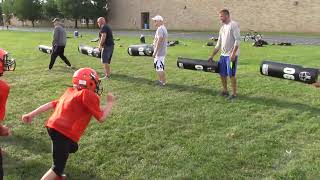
9,63
99,89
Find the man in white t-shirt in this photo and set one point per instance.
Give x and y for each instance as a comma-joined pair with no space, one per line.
229,44
160,49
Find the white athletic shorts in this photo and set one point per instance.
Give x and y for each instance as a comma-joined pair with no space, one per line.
159,63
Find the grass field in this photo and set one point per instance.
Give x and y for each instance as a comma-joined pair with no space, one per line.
182,131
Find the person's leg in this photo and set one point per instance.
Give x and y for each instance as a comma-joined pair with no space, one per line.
107,69
223,74
234,85
60,154
62,56
224,83
162,77
50,175
161,72
232,74
106,56
159,67
54,56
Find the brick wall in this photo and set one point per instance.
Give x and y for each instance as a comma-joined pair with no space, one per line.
260,15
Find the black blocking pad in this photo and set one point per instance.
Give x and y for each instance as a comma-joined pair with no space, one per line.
289,71
197,65
90,51
45,49
141,50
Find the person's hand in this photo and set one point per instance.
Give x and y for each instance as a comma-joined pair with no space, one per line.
4,130
100,47
233,57
210,59
110,98
27,118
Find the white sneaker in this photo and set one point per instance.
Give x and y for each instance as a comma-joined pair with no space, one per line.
105,77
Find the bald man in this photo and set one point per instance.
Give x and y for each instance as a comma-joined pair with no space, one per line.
106,45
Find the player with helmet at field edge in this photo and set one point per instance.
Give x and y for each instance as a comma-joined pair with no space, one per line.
6,64
71,115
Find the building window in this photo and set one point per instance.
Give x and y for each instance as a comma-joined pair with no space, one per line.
145,20
83,21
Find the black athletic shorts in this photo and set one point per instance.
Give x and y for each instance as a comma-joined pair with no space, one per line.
61,148
106,55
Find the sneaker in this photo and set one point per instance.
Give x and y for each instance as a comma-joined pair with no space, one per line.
232,97
162,84
159,83
72,67
105,77
224,93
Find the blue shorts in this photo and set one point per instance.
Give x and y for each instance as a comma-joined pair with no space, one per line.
227,67
106,54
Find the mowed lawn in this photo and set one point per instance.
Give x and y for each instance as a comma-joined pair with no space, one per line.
182,131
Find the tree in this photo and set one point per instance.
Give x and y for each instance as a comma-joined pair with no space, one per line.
28,10
95,8
88,9
50,9
1,17
7,9
71,9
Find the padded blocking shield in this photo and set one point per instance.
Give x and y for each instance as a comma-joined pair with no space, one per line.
141,50
197,65
289,71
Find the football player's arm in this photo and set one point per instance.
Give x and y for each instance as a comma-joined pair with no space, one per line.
55,37
237,37
159,42
216,48
102,40
27,118
107,109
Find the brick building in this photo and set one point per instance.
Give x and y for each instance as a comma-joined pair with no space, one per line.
260,15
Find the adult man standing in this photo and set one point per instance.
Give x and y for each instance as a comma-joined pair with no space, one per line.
228,43
160,49
106,45
58,43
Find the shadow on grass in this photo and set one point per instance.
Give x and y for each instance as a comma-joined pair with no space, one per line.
176,87
271,102
27,168
32,144
34,169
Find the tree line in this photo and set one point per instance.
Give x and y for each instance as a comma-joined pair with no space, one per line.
34,10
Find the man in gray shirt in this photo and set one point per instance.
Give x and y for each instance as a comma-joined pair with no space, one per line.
160,49
229,44
59,43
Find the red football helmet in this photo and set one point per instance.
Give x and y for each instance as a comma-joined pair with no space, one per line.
6,63
87,78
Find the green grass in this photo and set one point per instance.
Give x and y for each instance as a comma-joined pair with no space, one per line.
182,131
